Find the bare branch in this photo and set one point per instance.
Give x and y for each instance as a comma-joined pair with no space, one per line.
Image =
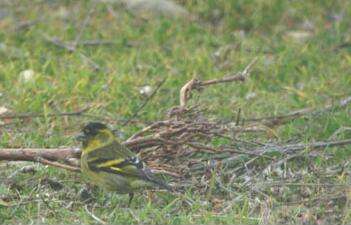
52,156
33,154
185,92
281,119
240,76
148,128
97,219
59,165
195,84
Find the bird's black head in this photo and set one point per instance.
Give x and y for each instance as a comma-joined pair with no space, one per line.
93,128
89,131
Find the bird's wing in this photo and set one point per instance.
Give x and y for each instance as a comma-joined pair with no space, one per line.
118,159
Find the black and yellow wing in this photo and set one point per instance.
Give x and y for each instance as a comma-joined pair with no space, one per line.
117,159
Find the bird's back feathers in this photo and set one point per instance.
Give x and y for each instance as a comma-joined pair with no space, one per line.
104,154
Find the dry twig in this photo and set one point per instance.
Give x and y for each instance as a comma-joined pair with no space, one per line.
58,165
100,221
195,84
281,119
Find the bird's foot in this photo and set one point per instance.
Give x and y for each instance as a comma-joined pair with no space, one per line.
131,196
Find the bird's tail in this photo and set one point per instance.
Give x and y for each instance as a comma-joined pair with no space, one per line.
158,182
163,185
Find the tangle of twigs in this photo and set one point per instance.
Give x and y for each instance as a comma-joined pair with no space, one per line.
172,146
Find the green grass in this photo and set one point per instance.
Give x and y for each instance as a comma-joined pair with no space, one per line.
290,74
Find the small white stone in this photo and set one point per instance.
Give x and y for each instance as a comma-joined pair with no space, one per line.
26,75
145,90
250,95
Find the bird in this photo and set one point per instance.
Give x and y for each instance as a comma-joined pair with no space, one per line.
111,165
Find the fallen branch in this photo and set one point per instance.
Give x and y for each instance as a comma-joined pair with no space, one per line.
281,119
59,165
53,156
290,150
33,154
285,183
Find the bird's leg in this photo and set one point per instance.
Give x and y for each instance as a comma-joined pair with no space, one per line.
131,196
86,194
150,196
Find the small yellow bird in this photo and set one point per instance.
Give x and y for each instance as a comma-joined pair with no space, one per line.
112,165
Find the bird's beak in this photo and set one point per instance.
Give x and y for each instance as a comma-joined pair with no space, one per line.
80,137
